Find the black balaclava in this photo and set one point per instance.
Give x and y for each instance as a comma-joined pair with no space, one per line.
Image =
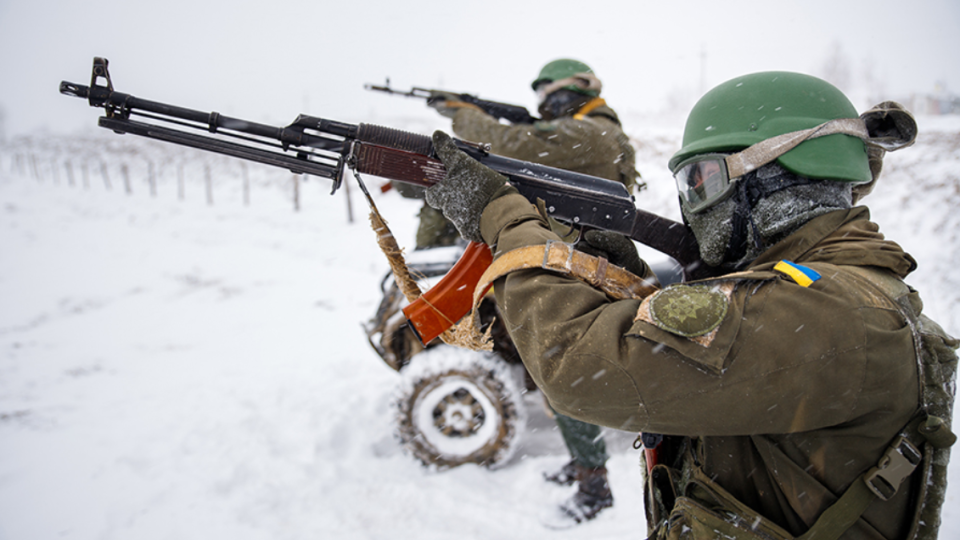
563,102
769,204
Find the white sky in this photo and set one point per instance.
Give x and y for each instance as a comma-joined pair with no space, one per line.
269,61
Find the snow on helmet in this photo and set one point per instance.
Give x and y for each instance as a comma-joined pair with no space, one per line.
749,109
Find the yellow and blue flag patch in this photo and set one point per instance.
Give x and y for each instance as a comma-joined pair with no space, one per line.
802,275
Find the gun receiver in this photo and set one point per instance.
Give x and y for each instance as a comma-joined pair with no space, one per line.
515,114
324,148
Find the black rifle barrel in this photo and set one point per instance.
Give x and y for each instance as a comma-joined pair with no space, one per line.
227,148
118,103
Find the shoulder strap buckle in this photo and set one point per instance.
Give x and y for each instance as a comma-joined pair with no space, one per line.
897,463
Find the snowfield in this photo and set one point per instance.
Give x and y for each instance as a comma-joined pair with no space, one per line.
174,369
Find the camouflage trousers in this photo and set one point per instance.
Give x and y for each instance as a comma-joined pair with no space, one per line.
583,440
435,230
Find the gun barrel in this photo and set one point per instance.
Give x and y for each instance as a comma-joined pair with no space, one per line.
300,165
120,104
414,92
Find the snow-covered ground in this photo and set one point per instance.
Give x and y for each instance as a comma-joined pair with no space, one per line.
175,369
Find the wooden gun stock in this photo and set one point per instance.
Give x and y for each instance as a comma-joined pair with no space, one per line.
449,300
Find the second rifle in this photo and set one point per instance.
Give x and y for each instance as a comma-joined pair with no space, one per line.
515,114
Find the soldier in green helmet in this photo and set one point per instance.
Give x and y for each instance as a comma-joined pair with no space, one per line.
578,131
799,393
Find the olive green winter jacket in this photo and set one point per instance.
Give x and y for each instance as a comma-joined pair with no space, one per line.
591,143
789,392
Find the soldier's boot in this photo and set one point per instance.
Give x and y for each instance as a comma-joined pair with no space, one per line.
592,496
566,476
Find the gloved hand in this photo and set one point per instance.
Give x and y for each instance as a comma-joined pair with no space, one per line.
447,103
616,248
465,192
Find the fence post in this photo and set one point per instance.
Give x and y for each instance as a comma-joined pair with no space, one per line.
35,168
246,184
346,187
69,166
85,174
180,187
296,192
209,182
151,178
125,172
106,176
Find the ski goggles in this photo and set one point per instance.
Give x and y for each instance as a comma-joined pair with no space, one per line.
707,179
703,181
587,82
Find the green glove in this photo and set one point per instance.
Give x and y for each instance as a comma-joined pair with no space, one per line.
466,191
616,248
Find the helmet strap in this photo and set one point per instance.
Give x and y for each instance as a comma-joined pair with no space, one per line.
770,149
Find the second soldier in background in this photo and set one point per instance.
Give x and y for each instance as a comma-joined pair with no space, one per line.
577,132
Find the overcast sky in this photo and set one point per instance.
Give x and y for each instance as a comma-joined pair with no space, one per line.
269,61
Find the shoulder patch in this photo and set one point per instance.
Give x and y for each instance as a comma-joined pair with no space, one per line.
688,310
800,274
544,126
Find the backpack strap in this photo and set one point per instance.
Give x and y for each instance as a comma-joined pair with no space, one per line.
913,445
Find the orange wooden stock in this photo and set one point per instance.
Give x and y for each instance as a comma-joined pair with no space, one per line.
653,457
450,299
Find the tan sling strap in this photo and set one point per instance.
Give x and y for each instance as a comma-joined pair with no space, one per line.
562,258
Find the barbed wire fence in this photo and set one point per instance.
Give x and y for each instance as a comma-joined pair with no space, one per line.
148,167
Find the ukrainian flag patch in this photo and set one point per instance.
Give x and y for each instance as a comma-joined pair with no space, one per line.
802,275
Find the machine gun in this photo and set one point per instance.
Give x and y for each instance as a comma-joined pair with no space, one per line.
326,148
515,114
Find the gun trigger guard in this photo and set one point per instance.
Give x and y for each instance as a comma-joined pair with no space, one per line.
573,229
580,232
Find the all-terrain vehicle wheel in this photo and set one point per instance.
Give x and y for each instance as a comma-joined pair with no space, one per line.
457,406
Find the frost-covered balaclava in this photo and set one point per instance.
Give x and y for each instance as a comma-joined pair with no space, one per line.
768,205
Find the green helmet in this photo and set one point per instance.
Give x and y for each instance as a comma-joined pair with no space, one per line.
752,108
563,68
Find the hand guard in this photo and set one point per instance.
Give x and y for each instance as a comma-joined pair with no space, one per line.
466,191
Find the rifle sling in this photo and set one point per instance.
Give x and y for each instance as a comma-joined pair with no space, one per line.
562,258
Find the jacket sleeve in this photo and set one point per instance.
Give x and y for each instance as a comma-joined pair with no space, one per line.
783,359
